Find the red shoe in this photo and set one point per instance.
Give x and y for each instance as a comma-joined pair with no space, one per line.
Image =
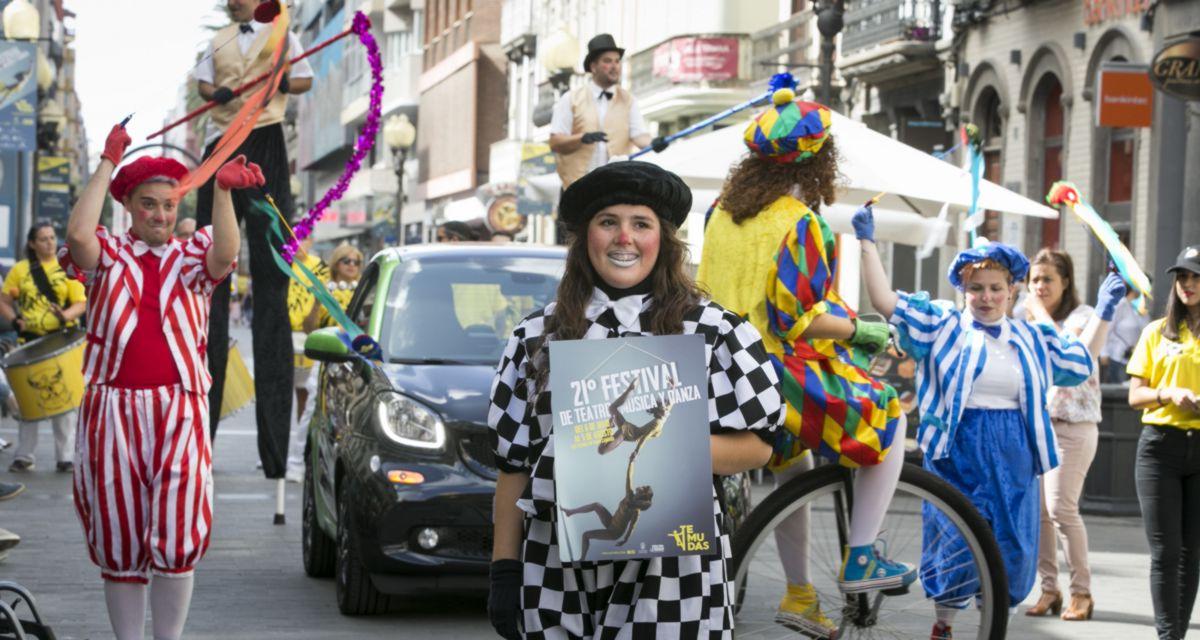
941,632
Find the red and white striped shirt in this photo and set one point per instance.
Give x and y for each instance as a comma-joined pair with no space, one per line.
114,293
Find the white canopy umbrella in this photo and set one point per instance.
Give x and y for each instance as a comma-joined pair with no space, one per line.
870,162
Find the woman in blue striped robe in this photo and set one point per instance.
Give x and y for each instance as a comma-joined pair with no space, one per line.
982,379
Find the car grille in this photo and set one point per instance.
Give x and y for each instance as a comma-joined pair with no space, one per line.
476,451
465,543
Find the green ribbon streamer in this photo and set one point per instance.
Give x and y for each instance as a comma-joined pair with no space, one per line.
314,284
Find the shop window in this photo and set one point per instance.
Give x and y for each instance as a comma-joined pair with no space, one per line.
991,123
1120,167
1048,105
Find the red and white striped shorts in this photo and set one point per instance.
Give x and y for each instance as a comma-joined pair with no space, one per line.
143,480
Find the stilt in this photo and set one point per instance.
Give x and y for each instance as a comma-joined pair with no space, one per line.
280,493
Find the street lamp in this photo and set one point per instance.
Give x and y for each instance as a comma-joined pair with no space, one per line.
22,21
829,24
559,57
398,134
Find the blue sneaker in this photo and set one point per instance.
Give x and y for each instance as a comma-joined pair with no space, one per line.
866,569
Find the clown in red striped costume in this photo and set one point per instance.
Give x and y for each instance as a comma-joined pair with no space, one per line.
143,478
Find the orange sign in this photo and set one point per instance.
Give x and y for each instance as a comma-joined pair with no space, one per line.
1125,97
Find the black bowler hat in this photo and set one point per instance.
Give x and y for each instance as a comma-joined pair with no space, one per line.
598,45
1188,260
626,182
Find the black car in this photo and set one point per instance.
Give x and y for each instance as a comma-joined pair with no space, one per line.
399,470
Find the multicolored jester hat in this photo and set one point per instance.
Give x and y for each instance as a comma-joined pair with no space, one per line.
1063,193
276,13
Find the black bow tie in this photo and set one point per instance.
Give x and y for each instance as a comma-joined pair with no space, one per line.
606,95
245,28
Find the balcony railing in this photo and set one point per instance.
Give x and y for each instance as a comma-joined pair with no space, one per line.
782,46
874,22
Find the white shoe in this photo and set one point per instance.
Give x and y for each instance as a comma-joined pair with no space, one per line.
295,475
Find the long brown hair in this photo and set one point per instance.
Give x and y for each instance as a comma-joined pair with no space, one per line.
1177,312
756,182
1062,263
673,290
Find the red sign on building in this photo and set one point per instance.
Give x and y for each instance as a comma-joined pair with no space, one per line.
695,59
1125,96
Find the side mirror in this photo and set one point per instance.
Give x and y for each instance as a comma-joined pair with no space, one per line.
326,345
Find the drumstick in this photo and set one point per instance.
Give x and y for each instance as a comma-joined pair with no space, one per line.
126,120
875,199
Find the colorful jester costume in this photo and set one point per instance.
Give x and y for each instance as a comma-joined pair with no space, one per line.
777,269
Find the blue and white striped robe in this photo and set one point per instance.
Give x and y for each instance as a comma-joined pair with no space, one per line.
950,354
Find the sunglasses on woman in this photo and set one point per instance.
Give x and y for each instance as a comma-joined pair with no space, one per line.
354,261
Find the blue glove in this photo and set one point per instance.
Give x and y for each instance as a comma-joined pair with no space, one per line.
864,223
1111,291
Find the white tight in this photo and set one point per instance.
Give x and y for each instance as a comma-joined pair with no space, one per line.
170,597
873,490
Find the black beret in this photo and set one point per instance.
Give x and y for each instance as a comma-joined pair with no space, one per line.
626,182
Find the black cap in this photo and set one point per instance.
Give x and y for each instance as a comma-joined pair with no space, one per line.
1188,260
598,45
626,182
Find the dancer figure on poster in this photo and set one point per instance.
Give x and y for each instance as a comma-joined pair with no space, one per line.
622,523
622,430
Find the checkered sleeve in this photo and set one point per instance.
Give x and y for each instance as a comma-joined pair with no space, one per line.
800,279
508,411
743,387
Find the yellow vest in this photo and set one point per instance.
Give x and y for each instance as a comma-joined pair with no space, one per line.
572,166
232,69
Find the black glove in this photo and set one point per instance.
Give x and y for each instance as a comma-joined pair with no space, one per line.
659,144
504,598
284,85
594,137
222,95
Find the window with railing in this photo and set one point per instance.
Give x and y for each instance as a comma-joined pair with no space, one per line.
874,22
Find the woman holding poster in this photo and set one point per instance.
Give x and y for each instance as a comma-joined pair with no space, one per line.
624,277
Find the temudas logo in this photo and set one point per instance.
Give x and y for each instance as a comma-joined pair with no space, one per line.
688,540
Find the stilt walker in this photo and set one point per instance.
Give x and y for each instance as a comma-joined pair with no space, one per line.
143,478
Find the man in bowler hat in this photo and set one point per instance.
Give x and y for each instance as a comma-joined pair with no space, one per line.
598,119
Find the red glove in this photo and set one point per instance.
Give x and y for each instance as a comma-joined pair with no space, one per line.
116,144
239,174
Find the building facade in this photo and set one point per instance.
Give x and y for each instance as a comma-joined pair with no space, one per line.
1028,77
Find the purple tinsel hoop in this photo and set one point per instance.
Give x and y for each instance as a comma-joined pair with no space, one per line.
366,139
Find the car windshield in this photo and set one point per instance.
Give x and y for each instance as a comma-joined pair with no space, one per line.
462,309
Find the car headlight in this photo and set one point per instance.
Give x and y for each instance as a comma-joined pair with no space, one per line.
409,422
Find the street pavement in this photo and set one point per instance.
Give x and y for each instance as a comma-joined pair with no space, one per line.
252,584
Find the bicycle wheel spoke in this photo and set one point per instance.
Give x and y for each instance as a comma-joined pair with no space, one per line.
957,563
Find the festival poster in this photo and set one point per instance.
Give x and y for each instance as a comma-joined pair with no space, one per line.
632,464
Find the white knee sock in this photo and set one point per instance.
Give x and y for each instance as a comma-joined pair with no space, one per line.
945,615
170,597
791,535
126,609
873,490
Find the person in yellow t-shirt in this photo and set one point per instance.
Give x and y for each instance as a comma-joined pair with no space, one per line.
1164,382
345,265
300,303
38,298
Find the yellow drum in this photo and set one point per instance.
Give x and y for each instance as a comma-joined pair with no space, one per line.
46,375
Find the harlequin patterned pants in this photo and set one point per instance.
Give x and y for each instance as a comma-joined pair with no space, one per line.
143,480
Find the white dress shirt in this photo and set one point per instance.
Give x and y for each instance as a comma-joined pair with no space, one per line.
205,72
563,121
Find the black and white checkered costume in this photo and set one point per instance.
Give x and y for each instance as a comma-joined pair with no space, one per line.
682,597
